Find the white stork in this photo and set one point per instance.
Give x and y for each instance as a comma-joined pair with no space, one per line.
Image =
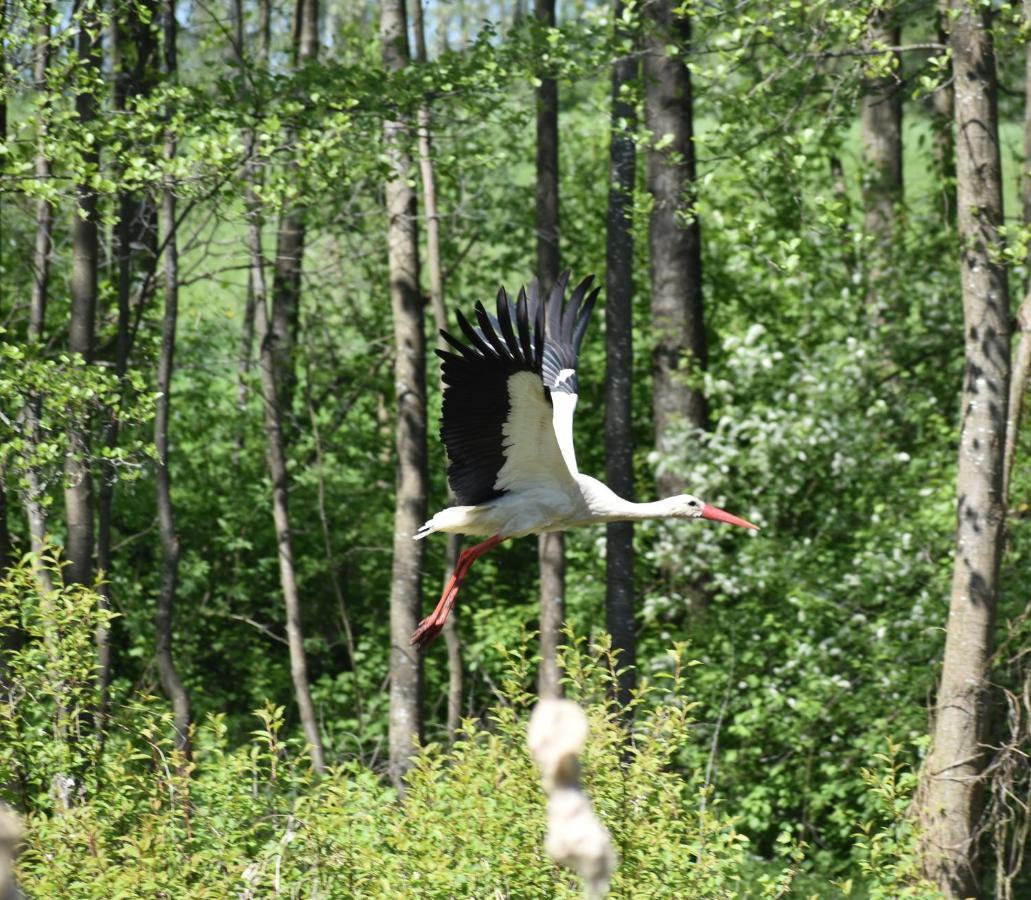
509,398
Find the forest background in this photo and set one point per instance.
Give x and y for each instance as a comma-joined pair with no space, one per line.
229,232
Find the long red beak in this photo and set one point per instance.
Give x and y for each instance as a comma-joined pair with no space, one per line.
720,515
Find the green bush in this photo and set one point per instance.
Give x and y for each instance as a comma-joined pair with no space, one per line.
252,820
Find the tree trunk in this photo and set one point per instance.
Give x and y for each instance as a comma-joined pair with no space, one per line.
410,390
619,292
674,235
436,279
944,144
1022,356
133,229
171,683
35,511
244,360
952,797
286,283
276,454
78,495
881,126
551,553
44,211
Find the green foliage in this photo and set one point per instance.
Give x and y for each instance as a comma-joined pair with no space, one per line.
254,819
48,750
832,396
888,847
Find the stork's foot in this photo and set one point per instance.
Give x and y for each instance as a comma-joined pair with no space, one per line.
427,632
430,627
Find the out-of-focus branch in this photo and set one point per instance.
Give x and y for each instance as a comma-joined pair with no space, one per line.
576,837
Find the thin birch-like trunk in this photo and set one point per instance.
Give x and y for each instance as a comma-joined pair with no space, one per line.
405,725
275,450
551,553
952,794
35,511
436,280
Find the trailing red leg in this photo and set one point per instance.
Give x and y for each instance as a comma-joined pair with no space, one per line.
433,624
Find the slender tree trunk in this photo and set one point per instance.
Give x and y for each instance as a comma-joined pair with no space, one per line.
410,390
44,211
78,494
35,511
134,228
243,366
674,234
171,683
881,126
436,279
286,283
551,553
1022,356
276,453
281,516
619,292
953,795
944,144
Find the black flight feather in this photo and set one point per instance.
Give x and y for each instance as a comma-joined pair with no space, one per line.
507,332
524,336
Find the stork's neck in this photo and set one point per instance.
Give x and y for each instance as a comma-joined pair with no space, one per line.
607,506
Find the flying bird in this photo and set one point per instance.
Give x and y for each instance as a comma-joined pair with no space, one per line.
509,397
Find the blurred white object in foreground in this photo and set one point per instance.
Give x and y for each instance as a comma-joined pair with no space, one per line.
576,837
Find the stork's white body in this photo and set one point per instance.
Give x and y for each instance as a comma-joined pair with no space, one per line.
541,508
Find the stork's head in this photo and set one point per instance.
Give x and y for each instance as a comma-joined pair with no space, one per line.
685,506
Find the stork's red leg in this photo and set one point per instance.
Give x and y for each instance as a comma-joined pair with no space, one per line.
433,624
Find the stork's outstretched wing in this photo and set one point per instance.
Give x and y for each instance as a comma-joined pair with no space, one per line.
500,428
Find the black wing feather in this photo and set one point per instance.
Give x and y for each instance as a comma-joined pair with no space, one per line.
507,332
523,324
526,336
567,324
476,395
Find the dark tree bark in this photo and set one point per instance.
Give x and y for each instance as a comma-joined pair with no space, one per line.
171,683
132,51
551,553
436,280
944,144
78,493
286,282
44,211
276,453
619,292
410,390
35,511
881,126
674,233
952,795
